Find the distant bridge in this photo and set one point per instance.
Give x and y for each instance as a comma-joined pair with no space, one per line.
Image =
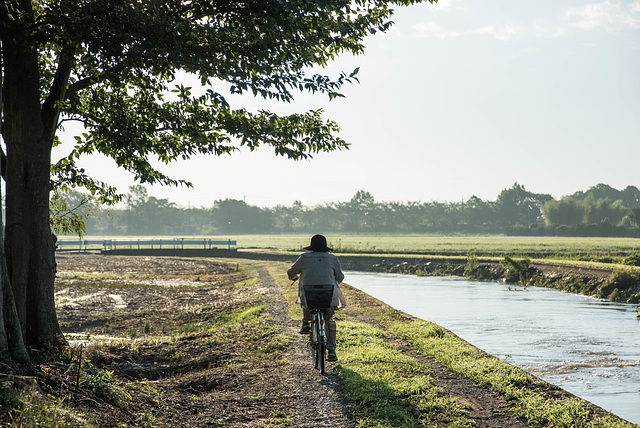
143,244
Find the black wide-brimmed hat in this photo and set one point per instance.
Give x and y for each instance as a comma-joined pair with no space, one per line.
318,244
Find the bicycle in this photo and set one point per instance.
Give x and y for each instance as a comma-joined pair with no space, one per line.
318,298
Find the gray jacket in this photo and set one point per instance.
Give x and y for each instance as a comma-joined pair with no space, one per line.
318,268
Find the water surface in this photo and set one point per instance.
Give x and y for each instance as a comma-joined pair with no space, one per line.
586,346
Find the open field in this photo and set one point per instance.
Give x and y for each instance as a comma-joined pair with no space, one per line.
455,245
199,342
487,245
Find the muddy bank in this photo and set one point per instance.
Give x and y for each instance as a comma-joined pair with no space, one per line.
616,285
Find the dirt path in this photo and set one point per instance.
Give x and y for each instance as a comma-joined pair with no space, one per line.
485,407
313,396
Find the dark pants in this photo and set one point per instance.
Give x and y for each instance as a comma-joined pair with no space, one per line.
329,322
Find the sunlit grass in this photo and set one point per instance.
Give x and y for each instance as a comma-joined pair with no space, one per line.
388,387
38,410
246,283
515,384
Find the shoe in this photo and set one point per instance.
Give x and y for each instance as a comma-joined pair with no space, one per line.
331,355
306,328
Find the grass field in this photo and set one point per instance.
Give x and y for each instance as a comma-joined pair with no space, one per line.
488,245
491,244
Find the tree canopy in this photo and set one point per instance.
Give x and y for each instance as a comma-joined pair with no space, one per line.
111,65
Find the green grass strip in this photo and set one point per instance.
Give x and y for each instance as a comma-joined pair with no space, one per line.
515,384
389,388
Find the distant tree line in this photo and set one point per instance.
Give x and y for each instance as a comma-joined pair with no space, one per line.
599,211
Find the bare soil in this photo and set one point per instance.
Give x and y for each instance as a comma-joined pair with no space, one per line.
194,387
185,383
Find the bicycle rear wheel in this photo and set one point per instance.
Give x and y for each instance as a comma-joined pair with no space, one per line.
321,357
318,345
321,340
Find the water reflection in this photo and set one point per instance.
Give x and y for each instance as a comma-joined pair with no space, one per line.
589,347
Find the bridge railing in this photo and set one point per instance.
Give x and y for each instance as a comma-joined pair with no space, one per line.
114,244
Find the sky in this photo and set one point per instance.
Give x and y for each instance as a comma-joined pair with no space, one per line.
461,98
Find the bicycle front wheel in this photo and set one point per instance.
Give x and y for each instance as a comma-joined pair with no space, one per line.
320,343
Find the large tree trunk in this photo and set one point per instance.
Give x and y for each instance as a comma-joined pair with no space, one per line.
11,340
29,243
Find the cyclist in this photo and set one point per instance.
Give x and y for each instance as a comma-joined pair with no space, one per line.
319,267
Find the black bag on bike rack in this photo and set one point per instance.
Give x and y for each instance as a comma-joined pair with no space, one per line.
318,296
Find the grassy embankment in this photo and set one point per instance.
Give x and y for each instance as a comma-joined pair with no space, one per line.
618,255
448,255
389,388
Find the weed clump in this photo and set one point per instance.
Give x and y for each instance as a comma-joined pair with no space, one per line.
517,270
471,270
623,286
632,260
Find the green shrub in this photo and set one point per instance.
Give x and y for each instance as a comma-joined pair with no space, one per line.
615,295
517,270
621,287
471,270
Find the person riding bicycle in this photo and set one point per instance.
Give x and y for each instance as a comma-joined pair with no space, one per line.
319,267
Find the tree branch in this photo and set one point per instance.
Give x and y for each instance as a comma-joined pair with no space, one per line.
51,107
92,80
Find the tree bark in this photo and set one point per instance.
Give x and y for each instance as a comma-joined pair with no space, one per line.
29,243
11,340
